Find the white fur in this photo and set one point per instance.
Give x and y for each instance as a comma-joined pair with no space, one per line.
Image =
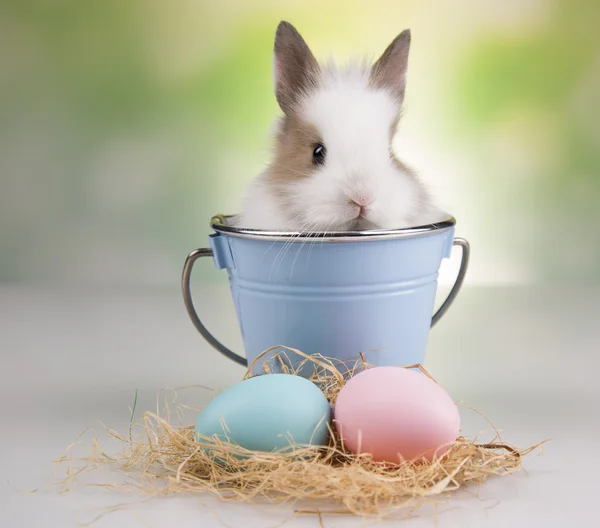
261,210
354,121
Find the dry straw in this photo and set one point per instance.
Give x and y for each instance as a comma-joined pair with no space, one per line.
170,459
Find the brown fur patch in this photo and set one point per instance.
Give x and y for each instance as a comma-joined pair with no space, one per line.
296,139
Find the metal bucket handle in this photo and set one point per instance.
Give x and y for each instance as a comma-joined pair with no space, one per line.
206,252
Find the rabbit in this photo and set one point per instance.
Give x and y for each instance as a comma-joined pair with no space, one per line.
333,167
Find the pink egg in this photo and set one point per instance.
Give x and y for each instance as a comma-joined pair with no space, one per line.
395,413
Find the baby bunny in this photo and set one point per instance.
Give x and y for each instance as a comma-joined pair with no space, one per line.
333,168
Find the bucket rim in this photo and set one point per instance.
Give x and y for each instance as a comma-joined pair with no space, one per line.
223,224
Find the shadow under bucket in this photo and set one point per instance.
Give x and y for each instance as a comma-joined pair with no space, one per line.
337,294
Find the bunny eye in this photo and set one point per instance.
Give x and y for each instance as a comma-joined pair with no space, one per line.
319,154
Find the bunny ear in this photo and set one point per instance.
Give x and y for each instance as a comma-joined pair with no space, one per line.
295,68
389,72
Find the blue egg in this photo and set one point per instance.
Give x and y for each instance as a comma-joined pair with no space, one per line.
267,413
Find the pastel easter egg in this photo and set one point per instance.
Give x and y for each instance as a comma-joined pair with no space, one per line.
395,413
268,413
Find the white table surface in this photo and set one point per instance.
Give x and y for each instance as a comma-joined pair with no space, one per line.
526,357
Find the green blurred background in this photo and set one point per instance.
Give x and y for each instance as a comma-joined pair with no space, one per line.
124,125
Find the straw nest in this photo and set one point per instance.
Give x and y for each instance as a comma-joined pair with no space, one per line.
165,458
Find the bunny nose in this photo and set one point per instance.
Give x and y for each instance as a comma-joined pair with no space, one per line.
362,204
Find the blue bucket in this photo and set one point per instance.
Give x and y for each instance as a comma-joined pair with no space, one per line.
339,294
